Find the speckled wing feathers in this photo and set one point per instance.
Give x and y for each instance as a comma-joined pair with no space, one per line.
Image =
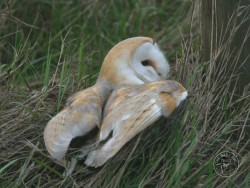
129,110
81,114
127,115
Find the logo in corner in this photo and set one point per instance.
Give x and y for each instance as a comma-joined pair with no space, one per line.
226,164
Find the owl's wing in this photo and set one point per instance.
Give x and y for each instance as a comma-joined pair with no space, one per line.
128,115
81,114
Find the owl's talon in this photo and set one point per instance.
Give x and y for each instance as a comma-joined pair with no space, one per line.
70,167
90,161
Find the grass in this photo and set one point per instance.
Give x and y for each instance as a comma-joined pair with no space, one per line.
51,49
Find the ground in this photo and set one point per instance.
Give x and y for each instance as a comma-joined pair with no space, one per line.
51,49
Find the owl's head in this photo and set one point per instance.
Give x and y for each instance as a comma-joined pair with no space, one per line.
134,61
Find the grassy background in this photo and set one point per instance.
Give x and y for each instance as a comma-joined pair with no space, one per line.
51,49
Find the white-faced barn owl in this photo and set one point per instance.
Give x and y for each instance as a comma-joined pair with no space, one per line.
134,61
129,110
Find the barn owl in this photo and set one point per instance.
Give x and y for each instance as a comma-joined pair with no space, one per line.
134,61
129,110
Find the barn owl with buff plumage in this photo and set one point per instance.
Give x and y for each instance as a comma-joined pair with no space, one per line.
129,64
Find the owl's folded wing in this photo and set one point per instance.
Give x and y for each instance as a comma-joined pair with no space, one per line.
127,116
81,114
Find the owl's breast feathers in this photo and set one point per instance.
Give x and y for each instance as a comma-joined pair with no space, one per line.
81,114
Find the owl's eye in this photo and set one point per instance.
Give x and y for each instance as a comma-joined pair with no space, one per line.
145,63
